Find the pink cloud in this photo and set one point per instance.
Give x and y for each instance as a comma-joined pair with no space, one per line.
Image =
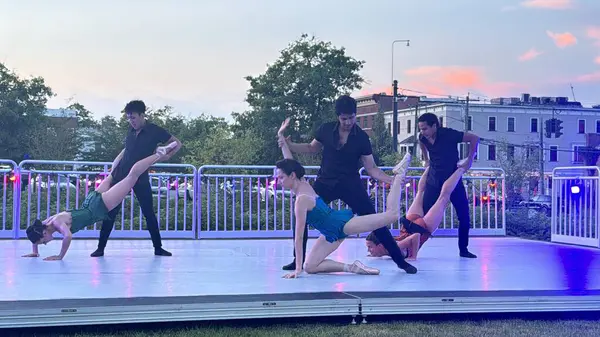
592,77
562,40
597,60
453,80
548,4
593,32
530,55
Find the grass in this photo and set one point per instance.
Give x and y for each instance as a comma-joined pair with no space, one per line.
486,327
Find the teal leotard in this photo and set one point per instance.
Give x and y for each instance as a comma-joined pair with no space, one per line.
327,221
92,210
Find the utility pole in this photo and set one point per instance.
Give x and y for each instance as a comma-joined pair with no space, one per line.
466,145
416,140
541,181
395,116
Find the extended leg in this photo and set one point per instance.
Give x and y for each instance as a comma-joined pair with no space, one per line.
393,198
416,207
115,195
435,215
354,194
317,261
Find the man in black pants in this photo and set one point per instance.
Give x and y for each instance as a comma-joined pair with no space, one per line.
345,145
440,152
142,139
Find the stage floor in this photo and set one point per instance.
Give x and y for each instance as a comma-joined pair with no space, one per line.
237,279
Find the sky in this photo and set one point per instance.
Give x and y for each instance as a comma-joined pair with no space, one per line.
194,55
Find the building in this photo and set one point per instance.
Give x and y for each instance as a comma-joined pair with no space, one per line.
368,106
515,124
65,117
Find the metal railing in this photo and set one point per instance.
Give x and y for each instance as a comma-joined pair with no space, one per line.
65,184
9,197
215,201
575,205
485,189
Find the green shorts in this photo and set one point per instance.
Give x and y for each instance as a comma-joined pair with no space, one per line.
92,210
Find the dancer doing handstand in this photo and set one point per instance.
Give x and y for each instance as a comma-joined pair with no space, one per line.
334,225
94,208
416,226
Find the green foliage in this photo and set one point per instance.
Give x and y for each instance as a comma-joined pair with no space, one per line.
22,105
517,167
303,83
381,141
519,223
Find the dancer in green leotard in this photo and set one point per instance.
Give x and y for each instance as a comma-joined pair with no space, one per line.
94,208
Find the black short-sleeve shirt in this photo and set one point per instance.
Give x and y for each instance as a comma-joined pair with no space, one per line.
341,162
443,154
140,146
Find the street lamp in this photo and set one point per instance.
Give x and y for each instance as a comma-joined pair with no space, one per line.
395,94
393,43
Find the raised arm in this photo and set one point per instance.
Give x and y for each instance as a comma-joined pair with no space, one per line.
117,159
424,154
285,149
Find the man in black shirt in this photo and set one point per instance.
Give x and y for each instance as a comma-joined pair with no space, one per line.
440,151
345,145
141,141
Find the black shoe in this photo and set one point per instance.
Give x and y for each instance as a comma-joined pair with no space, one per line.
291,266
99,252
467,254
407,267
161,252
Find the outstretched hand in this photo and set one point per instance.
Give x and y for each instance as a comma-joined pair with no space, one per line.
283,126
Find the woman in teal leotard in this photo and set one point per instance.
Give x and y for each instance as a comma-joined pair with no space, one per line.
334,225
94,208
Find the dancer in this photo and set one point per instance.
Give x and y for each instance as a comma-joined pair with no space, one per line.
418,226
334,226
440,151
344,146
94,208
142,139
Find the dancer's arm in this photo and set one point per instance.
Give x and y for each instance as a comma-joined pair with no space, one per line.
300,209
63,229
412,243
374,171
313,147
425,154
285,149
300,213
34,250
473,141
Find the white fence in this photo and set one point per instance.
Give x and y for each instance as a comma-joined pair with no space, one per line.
213,201
575,201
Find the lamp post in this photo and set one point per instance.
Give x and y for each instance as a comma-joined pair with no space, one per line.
395,94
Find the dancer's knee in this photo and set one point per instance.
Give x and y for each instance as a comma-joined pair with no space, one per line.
310,268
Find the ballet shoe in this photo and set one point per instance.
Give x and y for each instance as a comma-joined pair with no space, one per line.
359,268
163,150
402,166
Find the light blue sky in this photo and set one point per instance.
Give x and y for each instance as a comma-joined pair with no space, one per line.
194,54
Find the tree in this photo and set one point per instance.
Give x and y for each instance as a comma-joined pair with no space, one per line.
22,106
518,165
381,140
303,83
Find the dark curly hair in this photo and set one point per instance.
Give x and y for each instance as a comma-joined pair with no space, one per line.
36,231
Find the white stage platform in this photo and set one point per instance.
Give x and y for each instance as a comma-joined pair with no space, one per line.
241,279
